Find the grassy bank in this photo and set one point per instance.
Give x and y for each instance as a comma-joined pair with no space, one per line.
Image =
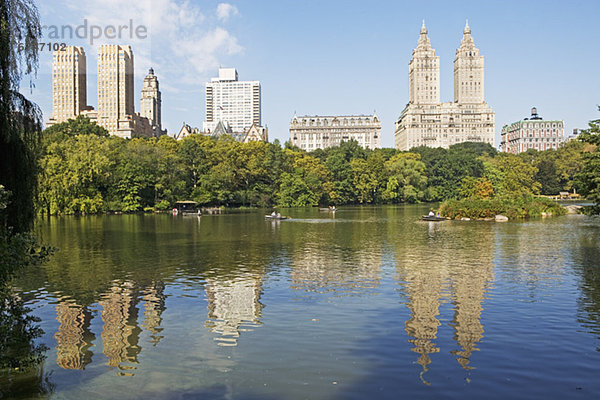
512,208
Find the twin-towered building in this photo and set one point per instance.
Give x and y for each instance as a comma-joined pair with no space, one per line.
116,111
425,121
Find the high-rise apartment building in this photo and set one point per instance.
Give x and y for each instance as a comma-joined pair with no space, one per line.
115,90
231,101
69,92
151,103
425,121
532,133
317,132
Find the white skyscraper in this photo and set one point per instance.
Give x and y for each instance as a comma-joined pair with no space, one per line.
235,103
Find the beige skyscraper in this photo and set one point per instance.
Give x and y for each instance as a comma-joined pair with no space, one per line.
468,71
115,90
424,72
151,103
69,92
425,121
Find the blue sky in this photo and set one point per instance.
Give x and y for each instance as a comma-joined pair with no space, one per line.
345,57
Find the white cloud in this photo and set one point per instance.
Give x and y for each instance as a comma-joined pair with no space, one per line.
225,10
183,44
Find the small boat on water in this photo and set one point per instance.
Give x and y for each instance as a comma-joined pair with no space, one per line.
432,218
274,217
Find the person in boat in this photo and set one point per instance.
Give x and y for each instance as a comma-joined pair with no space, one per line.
438,214
273,214
431,214
278,215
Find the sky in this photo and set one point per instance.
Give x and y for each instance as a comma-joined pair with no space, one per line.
332,57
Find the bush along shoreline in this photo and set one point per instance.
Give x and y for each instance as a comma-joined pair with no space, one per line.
511,208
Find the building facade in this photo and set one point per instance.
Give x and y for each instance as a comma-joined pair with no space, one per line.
229,100
115,110
115,90
151,103
316,132
69,81
425,121
532,133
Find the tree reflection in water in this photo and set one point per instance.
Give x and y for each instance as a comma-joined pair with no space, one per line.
21,358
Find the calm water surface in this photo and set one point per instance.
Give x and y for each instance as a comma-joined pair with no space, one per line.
366,303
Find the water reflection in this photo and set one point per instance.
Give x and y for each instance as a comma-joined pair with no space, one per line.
336,256
396,299
73,337
154,305
233,306
454,263
120,333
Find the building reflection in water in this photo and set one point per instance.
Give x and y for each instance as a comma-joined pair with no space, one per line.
424,289
73,338
233,306
120,333
451,264
323,269
154,305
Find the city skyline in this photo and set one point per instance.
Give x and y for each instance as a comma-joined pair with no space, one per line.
318,60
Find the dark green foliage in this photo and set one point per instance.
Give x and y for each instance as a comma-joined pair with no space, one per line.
589,177
20,120
447,168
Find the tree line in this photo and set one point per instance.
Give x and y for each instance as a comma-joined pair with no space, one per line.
84,170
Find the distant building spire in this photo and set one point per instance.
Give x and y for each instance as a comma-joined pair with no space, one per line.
467,29
423,29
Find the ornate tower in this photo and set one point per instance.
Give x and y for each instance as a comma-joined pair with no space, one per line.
424,72
151,102
468,71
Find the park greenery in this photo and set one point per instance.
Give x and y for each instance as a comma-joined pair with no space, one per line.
20,134
83,170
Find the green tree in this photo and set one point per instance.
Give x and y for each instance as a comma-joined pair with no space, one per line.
20,119
338,163
407,180
170,183
75,168
511,176
306,184
134,176
589,177
447,168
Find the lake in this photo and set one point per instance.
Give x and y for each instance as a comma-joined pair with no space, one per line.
369,302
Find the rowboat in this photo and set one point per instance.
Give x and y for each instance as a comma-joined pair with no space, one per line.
275,217
432,218
328,209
